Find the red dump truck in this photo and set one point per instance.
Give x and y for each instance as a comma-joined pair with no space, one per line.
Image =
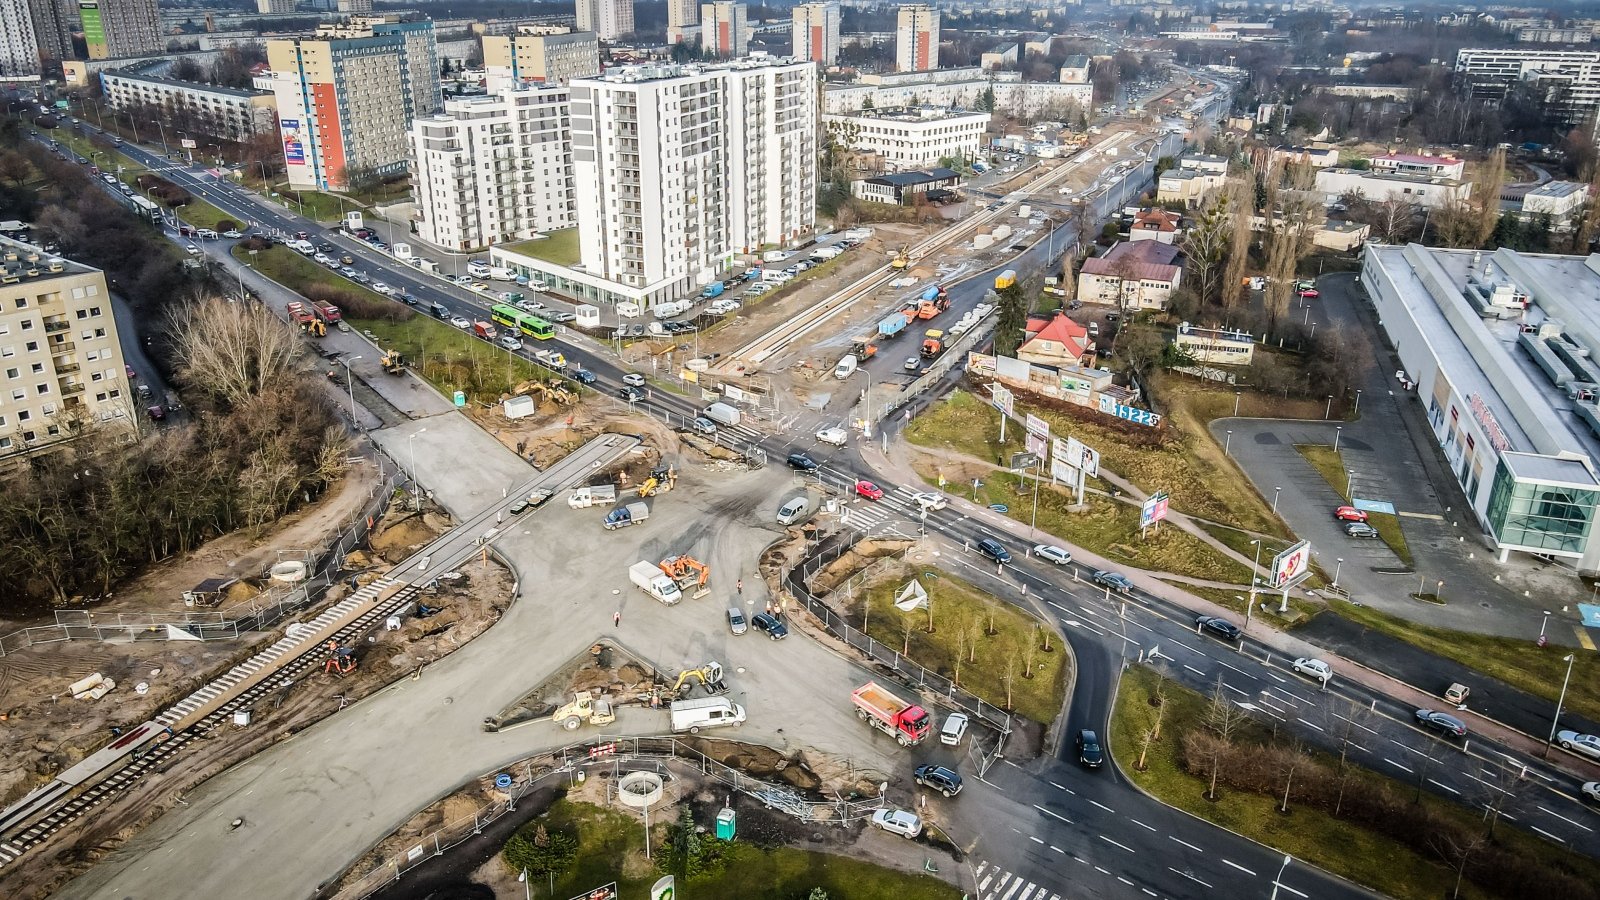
906,722
326,311
298,314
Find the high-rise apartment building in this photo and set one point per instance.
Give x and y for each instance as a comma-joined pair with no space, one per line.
275,7
61,368
538,55
681,13
494,169
1567,82
114,29
724,29
19,46
917,39
344,105
52,29
610,19
686,166
816,33
355,7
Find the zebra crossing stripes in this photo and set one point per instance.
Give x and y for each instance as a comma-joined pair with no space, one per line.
995,883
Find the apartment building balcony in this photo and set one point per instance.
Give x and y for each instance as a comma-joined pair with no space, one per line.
71,388
56,349
56,326
67,368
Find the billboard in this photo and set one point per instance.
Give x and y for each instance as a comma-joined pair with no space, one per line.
294,148
1087,458
1038,446
1290,565
1038,426
1153,510
1000,398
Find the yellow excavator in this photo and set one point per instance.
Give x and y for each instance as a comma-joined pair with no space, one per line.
709,676
662,479
555,393
902,258
585,707
688,573
393,362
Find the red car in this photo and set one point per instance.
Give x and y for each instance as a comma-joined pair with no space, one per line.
869,490
1349,514
1310,293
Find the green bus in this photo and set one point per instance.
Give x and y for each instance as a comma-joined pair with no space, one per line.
527,323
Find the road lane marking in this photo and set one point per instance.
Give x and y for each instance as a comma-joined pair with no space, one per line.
1141,824
1548,834
1051,814
1064,788
1445,786
1311,724
1190,877
1115,844
1126,881
1396,765
1036,840
1058,849
1185,843
1565,819
1279,884
1194,670
1103,806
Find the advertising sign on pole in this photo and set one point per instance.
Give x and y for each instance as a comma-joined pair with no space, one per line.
1290,565
1038,426
1153,510
1000,398
1038,445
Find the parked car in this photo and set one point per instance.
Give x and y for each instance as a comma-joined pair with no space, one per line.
633,379
898,821
1221,628
532,306
1309,293
773,626
1089,752
944,780
191,249
510,343
1590,791
1313,668
563,318
994,550
1587,744
802,463
1115,581
955,728
1444,723
383,289
1360,530
1350,514
868,490
1052,554
736,620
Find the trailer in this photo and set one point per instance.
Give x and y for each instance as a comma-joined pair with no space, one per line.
893,325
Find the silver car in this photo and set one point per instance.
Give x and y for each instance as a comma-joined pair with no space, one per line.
1586,744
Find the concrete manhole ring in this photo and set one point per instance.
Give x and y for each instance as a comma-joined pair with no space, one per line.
639,789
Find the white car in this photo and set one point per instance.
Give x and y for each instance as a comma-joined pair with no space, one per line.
912,364
834,435
633,379
460,322
1050,553
1313,668
233,233
206,234
382,288
931,501
191,249
1586,744
955,728
510,343
529,305
1591,791
898,821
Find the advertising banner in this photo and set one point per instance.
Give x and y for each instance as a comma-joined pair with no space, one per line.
294,148
1291,564
1038,426
1153,510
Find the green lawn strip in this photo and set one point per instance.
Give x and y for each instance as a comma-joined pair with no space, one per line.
1519,663
315,204
1308,833
561,247
611,848
1329,463
959,609
297,272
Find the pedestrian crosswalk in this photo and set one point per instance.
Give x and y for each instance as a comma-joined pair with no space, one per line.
995,883
896,513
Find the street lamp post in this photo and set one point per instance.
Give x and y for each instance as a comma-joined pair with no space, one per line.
1275,492
349,381
1559,700
1237,397
1337,566
1327,411
1338,432
1542,622
1278,882
413,448
1227,443
1254,568
165,147
1357,409
1349,481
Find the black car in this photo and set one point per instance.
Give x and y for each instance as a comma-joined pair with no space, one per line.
1221,628
630,394
941,779
1089,752
1444,723
802,463
991,548
327,249
585,376
406,298
1113,580
774,628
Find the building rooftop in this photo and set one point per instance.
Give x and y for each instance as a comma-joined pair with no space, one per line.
1557,189
668,71
560,247
911,114
1418,159
1149,260
910,179
21,262
134,74
1392,176
1075,61
1550,470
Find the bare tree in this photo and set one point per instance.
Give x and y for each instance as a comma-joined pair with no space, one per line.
1223,718
1343,718
1457,849
1030,652
1241,206
1486,190
1150,734
907,625
1290,759
963,637
1290,219
991,606
1204,247
232,351
1008,676
974,632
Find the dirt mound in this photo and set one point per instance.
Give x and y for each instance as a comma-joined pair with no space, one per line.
852,561
405,533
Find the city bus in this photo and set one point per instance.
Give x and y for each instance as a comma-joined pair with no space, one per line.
527,323
145,210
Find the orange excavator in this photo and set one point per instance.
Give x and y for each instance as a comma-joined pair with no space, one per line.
341,659
688,573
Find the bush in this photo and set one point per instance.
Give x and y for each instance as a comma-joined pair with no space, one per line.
359,305
539,852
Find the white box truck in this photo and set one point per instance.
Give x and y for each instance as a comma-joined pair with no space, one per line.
648,577
723,414
593,495
708,712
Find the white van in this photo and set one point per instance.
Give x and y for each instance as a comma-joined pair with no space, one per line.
478,269
502,273
775,256
846,367
792,511
709,712
834,435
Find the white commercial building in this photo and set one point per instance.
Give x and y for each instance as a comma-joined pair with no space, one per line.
724,29
1426,191
494,169
1500,349
610,19
911,138
957,89
916,40
1419,164
816,33
1561,201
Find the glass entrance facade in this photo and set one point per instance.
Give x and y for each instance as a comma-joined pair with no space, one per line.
1540,517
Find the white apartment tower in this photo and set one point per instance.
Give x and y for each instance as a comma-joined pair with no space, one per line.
610,19
681,13
690,165
724,29
19,45
489,170
917,39
816,33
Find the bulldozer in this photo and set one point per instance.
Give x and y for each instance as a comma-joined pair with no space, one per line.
555,393
709,676
393,362
585,707
688,573
902,258
662,479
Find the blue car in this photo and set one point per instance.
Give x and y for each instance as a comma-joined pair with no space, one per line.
774,628
585,376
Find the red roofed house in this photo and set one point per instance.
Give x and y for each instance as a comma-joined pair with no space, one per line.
1134,275
1417,164
1056,342
1154,224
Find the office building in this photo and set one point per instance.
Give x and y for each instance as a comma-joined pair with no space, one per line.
917,39
1566,81
220,112
816,33
52,29
609,19
114,29
494,169
19,45
683,13
1133,275
724,29
1499,349
1426,191
1561,201
61,368
343,107
903,188
904,139
536,55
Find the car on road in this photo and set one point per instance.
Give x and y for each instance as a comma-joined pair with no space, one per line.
1313,668
206,234
479,286
801,462
1216,627
736,620
460,322
233,234
940,778
347,259
994,550
1089,753
756,290
406,298
868,490
1350,514
348,272
931,501
1444,723
510,343
1586,744
1053,554
1115,581
1361,530
532,306
191,249
1309,293
630,393
633,379
585,376
954,729
704,425
772,625
562,318
1590,791
898,821
383,289
911,364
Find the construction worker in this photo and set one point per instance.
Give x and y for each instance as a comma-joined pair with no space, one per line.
739,586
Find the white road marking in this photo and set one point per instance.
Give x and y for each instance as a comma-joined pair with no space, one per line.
1239,867
1312,724
1115,844
1036,840
1051,814
1565,819
1278,678
1064,788
1057,849
1289,889
1140,824
1185,843
1548,834
1103,806
1194,670
1188,876
1445,786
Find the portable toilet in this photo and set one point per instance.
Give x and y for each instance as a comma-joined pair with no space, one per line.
727,825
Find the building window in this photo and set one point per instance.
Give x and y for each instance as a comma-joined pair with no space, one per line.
1543,517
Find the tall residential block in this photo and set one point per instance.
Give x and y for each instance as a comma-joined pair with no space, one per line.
535,55
275,7
686,166
610,19
344,105
816,33
61,368
19,46
681,13
494,169
52,29
355,7
724,29
421,47
114,29
917,39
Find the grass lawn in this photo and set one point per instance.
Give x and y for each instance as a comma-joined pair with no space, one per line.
611,848
1329,463
1519,663
297,273
960,608
560,247
313,204
1309,833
